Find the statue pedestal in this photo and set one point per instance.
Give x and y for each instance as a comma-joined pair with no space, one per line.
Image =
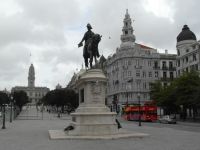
93,117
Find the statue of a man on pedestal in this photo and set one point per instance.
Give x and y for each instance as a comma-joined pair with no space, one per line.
90,48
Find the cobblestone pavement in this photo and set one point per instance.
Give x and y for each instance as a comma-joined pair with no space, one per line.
32,134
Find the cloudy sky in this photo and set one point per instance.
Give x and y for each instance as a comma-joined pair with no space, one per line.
50,30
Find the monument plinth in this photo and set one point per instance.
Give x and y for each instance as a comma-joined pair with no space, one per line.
93,117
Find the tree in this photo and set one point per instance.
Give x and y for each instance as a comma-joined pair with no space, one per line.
164,97
168,99
4,99
187,89
20,98
184,91
156,91
61,98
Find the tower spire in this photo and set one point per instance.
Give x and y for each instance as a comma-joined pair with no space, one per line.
31,76
127,30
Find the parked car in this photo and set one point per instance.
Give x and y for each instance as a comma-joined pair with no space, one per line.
167,119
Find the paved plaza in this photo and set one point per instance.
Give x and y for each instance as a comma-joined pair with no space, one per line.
30,132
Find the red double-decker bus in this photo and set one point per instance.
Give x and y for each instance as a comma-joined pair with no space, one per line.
148,113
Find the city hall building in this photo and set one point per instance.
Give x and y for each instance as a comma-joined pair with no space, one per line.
34,93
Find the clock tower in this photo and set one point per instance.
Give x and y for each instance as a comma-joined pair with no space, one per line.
31,76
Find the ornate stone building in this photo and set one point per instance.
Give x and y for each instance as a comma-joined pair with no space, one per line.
34,93
133,67
188,51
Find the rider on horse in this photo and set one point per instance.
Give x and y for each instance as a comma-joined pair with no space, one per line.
87,38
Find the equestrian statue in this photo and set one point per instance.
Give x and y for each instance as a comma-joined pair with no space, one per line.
90,49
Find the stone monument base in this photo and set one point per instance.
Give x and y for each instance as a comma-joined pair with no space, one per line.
93,119
61,135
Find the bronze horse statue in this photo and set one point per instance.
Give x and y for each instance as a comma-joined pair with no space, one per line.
91,50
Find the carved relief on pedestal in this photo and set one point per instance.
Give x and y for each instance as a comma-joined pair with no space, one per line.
96,90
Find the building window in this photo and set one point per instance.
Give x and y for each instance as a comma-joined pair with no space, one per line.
187,50
150,74
144,74
170,64
156,74
129,73
186,59
171,75
155,64
137,73
164,75
194,57
126,32
179,63
164,66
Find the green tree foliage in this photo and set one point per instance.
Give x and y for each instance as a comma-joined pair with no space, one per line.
20,98
156,91
187,89
4,99
183,91
61,98
164,96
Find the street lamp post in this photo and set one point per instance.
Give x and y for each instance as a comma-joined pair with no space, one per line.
4,117
139,109
11,103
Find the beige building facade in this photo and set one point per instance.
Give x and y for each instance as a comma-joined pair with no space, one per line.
34,93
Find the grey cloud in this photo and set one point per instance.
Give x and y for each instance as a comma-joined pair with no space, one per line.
51,30
52,12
